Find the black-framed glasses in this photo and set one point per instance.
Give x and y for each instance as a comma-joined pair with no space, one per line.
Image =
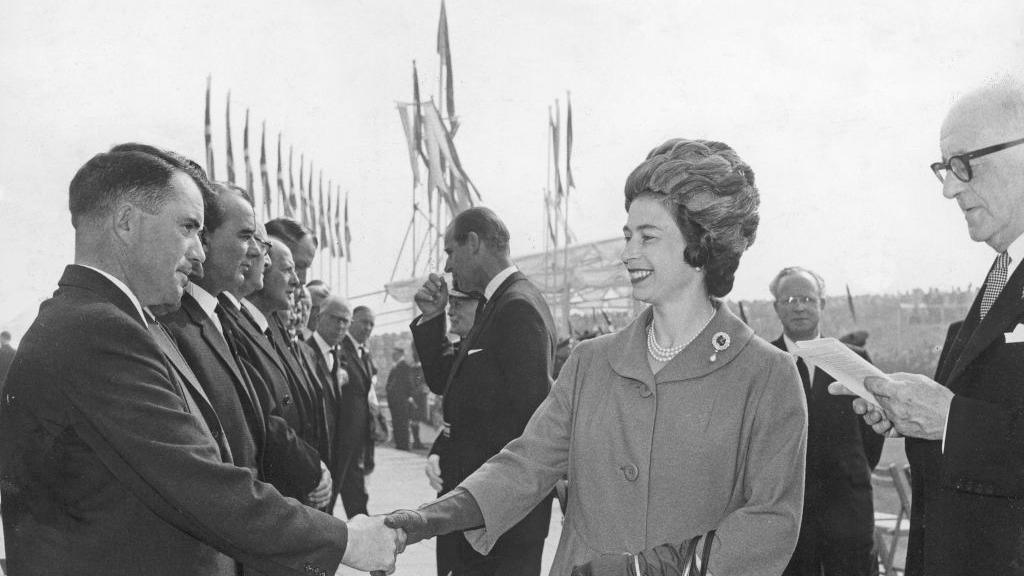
264,246
960,165
792,301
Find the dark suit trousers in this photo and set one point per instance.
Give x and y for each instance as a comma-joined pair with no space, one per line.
353,489
818,554
455,555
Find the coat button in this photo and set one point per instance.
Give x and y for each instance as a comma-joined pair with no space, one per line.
631,472
643,390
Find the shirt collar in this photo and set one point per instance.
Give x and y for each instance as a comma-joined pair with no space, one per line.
231,298
1016,252
500,277
354,343
322,344
122,287
208,302
261,320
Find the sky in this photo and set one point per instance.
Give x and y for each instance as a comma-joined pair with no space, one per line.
836,106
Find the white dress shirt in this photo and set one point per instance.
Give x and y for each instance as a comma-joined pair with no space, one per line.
500,277
258,316
207,302
791,346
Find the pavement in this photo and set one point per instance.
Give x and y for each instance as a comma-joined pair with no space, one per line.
399,482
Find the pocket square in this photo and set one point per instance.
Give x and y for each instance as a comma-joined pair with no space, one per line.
475,350
1016,336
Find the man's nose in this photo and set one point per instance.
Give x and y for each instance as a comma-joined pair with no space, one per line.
195,252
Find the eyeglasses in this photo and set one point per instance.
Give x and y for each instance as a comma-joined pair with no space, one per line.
792,301
262,245
960,165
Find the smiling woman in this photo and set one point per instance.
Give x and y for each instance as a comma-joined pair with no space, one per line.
683,428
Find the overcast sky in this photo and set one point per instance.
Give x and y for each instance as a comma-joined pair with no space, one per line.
836,106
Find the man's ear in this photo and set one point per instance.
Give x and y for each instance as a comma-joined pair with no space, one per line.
126,221
474,242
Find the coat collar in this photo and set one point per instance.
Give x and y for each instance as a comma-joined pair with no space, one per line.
1003,315
93,280
629,349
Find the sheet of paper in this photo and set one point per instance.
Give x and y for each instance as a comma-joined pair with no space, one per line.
841,363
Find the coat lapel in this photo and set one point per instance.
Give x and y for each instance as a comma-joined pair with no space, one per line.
82,277
1003,315
214,339
482,322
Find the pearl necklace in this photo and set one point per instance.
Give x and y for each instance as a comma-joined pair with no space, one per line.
662,354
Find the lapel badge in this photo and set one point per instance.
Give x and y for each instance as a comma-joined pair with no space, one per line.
720,341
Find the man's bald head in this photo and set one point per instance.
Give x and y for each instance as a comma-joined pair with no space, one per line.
335,317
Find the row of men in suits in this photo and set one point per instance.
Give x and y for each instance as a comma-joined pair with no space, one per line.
134,446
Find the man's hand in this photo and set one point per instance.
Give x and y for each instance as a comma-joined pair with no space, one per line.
872,414
412,523
916,405
321,495
432,297
433,470
372,545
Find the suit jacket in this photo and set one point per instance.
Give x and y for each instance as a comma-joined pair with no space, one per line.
307,391
332,403
106,471
300,455
968,500
354,406
229,389
841,452
281,457
492,386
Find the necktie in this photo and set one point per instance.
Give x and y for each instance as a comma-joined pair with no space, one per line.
995,282
805,376
364,355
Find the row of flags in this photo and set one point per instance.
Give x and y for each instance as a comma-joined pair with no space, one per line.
556,199
320,212
430,139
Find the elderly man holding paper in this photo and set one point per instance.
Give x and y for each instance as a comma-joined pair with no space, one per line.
965,429
838,513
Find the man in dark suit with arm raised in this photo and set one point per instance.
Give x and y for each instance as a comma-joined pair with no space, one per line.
965,429
492,385
837,530
107,468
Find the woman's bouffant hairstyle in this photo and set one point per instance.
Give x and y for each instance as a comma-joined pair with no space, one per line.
710,192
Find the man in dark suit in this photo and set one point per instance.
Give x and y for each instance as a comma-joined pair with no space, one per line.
332,325
358,406
255,419
837,530
492,385
400,389
109,465
965,429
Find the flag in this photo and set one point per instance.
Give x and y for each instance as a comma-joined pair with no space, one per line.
849,302
549,213
337,223
348,235
569,182
264,177
555,125
330,224
281,194
417,114
324,240
231,154
320,230
290,204
301,208
411,142
443,163
209,133
444,50
309,191
248,162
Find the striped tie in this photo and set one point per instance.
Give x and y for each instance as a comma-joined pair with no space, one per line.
995,282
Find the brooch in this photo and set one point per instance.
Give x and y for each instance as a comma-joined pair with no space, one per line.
720,341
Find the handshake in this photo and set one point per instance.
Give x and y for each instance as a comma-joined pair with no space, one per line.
374,542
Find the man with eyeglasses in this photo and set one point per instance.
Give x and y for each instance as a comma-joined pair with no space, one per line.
837,530
965,429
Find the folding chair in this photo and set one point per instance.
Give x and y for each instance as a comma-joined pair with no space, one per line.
891,528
